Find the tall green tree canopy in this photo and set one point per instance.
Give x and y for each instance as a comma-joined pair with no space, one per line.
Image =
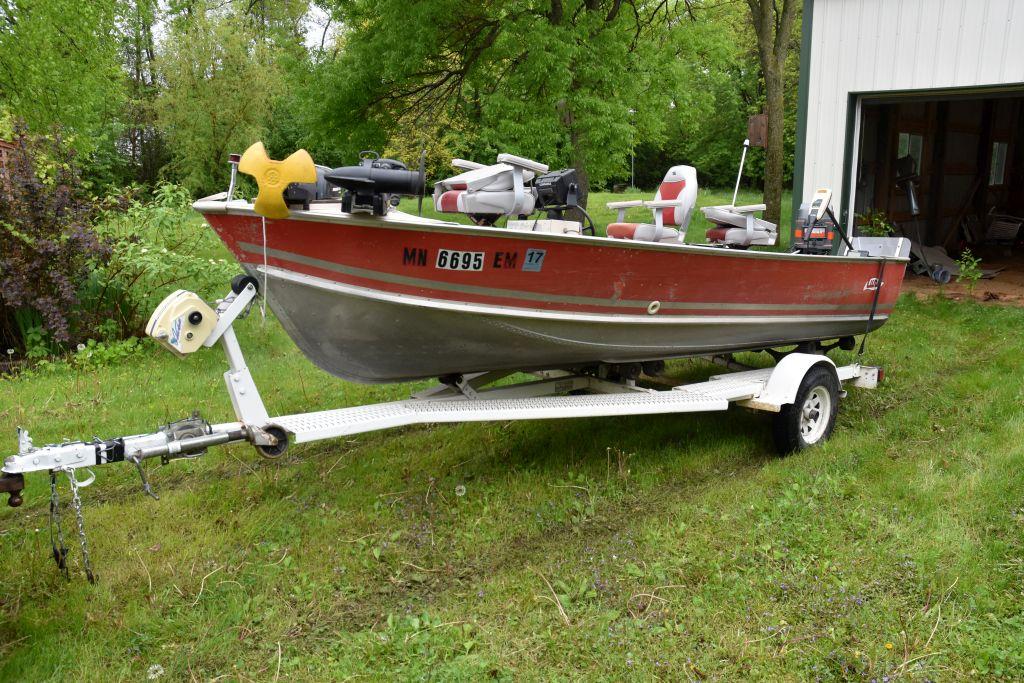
163,89
59,64
219,89
569,82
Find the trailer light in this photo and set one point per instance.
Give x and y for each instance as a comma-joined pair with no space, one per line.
799,234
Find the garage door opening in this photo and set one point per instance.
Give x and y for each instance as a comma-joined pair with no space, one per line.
969,156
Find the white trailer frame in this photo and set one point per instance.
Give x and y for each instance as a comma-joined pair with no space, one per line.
553,394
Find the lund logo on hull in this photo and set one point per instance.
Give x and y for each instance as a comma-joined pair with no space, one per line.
872,284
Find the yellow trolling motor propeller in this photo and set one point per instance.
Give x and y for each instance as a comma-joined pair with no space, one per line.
272,177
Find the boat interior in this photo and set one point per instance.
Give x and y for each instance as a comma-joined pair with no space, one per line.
524,195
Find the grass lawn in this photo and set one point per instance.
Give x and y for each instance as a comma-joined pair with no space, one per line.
679,547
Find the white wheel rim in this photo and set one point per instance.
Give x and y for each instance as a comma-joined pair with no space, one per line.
815,414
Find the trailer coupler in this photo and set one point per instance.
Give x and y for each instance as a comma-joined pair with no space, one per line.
186,438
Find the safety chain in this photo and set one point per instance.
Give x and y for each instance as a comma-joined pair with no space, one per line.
76,502
60,550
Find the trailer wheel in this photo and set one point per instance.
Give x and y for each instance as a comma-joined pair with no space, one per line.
277,450
810,418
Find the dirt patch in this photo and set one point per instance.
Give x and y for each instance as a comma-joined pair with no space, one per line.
1006,288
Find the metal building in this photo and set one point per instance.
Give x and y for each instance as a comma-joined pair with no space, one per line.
940,81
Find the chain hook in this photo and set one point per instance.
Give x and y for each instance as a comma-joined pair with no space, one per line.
60,550
76,503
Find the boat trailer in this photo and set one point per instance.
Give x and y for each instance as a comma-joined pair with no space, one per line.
802,389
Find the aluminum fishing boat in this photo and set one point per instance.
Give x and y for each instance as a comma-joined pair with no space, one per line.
373,294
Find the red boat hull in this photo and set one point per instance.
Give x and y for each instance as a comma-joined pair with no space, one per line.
530,300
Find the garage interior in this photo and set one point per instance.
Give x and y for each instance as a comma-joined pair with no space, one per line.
968,150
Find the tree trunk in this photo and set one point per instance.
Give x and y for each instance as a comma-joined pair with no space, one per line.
579,162
773,27
774,148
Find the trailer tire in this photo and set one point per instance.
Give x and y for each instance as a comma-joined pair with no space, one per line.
809,420
276,451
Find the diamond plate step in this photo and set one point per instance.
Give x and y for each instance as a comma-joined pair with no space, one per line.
715,394
344,421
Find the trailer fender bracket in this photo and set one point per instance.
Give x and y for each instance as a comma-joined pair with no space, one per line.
783,384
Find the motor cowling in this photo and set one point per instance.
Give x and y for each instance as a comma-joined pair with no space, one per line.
375,184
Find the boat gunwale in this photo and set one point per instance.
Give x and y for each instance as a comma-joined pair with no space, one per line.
215,204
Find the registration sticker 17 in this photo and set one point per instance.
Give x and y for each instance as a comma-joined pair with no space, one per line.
534,260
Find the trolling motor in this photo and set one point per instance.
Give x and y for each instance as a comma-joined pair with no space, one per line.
906,180
558,192
376,184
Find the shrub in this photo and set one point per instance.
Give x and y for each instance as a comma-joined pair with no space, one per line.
970,270
77,269
48,245
156,245
874,224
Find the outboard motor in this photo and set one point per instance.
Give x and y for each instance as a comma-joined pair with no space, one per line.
375,184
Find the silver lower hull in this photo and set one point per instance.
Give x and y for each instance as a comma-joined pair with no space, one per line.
368,336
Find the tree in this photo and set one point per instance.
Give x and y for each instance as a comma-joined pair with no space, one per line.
220,86
549,79
142,145
59,65
773,27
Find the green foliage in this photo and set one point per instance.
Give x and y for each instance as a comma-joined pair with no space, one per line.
155,246
555,82
220,87
874,224
60,66
970,270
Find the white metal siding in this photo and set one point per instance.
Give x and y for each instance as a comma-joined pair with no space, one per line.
860,46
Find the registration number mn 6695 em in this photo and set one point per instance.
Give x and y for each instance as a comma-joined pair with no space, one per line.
450,259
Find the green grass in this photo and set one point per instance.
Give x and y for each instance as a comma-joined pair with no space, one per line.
679,547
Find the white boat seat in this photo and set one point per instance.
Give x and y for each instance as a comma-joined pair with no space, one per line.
736,226
498,189
642,232
672,205
498,202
